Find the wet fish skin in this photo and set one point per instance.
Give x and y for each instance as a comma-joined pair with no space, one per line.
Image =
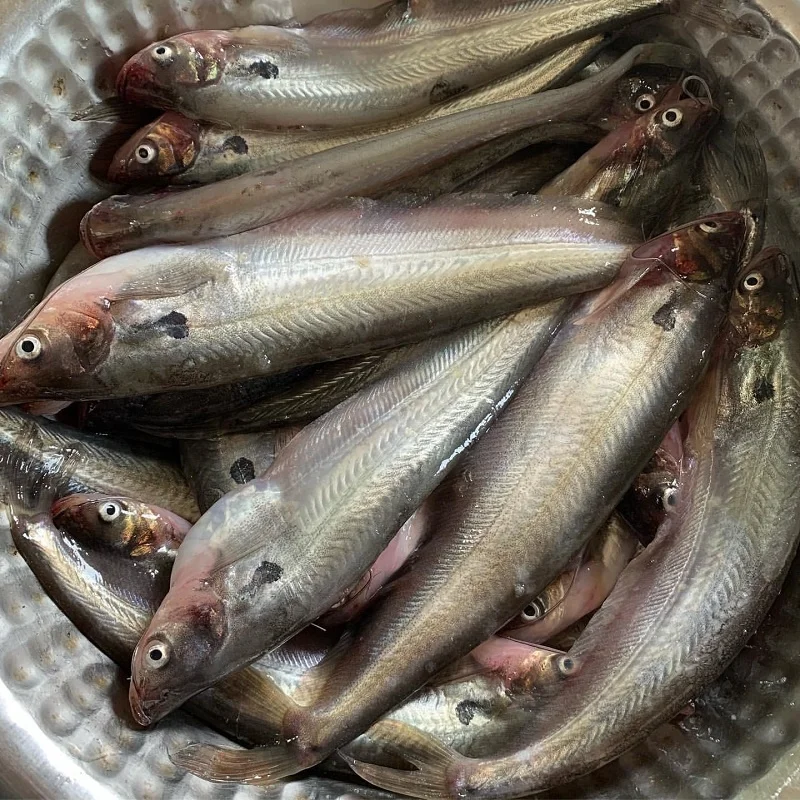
325,285
520,516
136,529
284,548
581,588
215,467
638,166
690,602
107,465
185,151
78,259
360,168
357,68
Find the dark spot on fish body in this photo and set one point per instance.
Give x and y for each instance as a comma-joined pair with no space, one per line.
266,69
237,145
266,572
442,90
665,316
174,324
466,710
763,390
243,471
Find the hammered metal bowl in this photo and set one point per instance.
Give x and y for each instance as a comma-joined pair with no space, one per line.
64,727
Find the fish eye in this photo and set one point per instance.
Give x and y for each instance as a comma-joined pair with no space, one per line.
753,282
669,497
158,654
712,226
28,348
672,118
566,665
109,511
145,153
644,102
533,611
163,53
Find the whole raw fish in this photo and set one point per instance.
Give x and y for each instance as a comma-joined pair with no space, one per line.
186,151
359,168
321,286
353,68
107,465
690,601
533,492
271,557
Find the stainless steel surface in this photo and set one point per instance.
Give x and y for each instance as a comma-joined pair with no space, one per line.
64,727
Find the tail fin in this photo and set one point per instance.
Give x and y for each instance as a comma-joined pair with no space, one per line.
257,690
259,767
440,769
31,476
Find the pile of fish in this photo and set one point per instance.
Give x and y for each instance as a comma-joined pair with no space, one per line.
434,401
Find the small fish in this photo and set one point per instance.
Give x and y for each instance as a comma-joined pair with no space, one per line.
108,466
683,608
272,556
529,496
215,467
581,588
354,68
351,279
185,151
361,168
136,528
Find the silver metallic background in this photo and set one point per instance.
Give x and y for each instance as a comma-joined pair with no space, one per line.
64,727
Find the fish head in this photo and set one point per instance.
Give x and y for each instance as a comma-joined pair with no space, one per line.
764,292
167,147
639,92
706,250
156,75
678,126
54,348
174,660
139,529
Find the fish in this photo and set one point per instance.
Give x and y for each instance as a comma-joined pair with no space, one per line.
215,467
110,595
355,68
531,493
108,466
137,529
639,165
527,171
272,556
78,259
249,201
182,151
329,284
654,493
581,588
686,606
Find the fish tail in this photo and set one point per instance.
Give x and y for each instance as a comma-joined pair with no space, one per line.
32,476
714,14
261,766
440,770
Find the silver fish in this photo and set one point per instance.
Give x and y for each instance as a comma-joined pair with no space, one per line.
692,599
359,168
354,68
78,259
317,287
274,555
185,151
533,491
215,467
108,466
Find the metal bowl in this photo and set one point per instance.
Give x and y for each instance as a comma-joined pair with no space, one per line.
64,727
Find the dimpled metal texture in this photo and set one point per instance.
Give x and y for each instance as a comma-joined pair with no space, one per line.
65,730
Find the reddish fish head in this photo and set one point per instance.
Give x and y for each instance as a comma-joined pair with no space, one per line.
172,661
157,75
164,149
705,250
759,303
54,351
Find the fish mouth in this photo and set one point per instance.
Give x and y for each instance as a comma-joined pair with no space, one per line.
137,705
